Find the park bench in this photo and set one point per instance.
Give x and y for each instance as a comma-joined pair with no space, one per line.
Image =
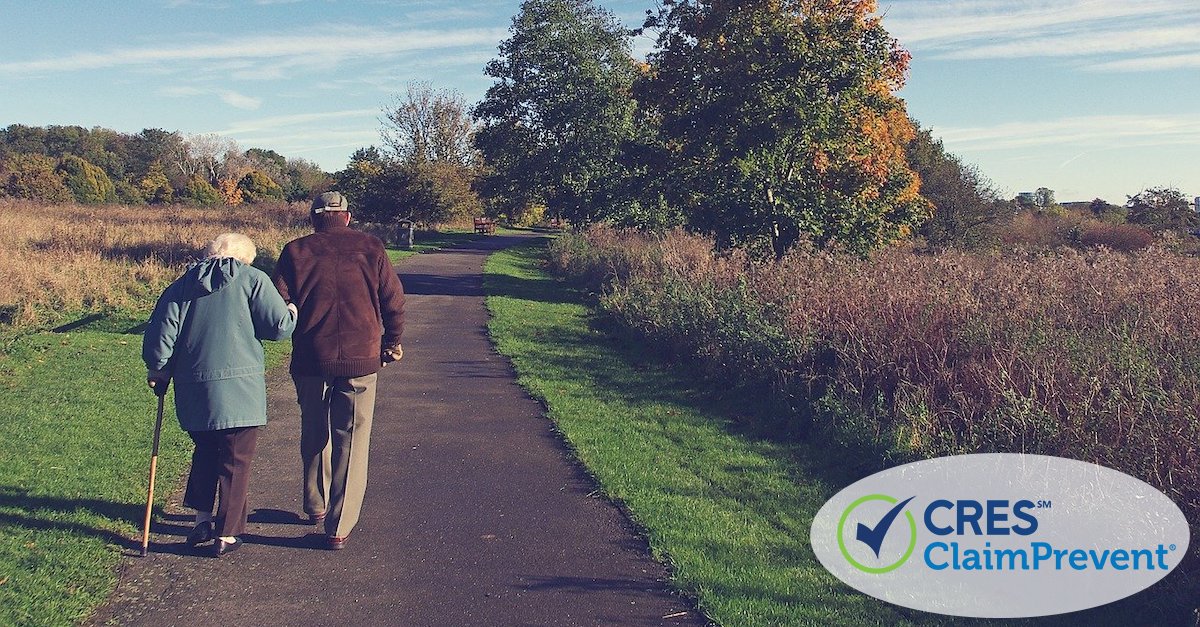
485,225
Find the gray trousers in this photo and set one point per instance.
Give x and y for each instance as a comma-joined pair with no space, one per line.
335,440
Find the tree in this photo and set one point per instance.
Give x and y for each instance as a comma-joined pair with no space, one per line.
1162,208
305,180
1108,212
199,191
429,133
1044,197
32,177
88,183
230,192
429,125
128,193
155,186
202,155
384,190
553,122
965,207
150,148
257,187
780,121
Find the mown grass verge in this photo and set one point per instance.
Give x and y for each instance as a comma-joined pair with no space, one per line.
730,513
728,507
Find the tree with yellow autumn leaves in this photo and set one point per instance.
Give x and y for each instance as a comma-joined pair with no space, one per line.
778,121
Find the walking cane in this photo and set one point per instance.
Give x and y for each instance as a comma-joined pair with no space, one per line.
160,390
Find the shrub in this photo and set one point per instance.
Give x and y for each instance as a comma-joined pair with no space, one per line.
128,194
200,192
32,177
257,187
88,183
1119,237
155,186
1091,355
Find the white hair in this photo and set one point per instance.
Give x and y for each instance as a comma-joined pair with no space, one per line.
233,245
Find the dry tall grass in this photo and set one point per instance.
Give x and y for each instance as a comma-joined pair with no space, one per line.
1088,355
57,259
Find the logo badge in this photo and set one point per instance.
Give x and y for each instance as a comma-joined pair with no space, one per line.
1000,535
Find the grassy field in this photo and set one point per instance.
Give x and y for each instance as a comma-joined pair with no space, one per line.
78,419
727,507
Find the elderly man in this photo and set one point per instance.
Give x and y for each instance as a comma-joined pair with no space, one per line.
351,316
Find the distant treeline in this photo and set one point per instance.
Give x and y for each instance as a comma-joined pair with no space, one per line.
154,166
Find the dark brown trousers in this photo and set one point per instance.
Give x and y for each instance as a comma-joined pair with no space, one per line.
222,460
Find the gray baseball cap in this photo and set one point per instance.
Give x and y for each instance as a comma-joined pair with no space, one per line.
330,201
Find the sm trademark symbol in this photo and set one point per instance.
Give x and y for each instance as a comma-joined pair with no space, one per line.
1043,504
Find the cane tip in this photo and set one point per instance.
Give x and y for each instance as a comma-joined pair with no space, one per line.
143,551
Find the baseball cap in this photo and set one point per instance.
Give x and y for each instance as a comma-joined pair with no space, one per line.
330,201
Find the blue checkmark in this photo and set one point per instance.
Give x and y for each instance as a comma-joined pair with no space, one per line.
873,536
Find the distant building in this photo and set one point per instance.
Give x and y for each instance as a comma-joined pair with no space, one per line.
1197,204
1027,199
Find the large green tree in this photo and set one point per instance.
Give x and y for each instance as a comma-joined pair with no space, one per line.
780,123
552,124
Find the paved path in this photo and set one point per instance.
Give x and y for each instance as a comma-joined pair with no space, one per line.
475,512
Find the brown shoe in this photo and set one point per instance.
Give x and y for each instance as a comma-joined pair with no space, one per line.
334,543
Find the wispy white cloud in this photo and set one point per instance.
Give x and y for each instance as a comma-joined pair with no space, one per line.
1103,34
1097,131
345,43
1147,64
229,97
274,123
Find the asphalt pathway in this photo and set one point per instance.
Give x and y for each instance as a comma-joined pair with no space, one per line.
476,513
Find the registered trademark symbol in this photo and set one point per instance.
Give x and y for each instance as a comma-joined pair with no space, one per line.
1172,547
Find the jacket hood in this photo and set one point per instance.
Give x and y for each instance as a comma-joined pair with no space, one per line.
211,275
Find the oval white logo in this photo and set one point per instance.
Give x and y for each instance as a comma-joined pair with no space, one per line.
1000,535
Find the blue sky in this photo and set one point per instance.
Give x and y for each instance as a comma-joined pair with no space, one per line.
1091,98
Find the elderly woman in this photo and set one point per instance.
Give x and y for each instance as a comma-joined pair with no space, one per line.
205,333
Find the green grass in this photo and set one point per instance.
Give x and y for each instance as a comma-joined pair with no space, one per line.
426,241
728,508
75,448
729,512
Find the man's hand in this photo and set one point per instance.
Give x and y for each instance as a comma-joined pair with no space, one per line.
158,381
393,353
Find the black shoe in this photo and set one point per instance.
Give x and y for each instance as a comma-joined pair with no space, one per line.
221,547
316,519
334,543
201,533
